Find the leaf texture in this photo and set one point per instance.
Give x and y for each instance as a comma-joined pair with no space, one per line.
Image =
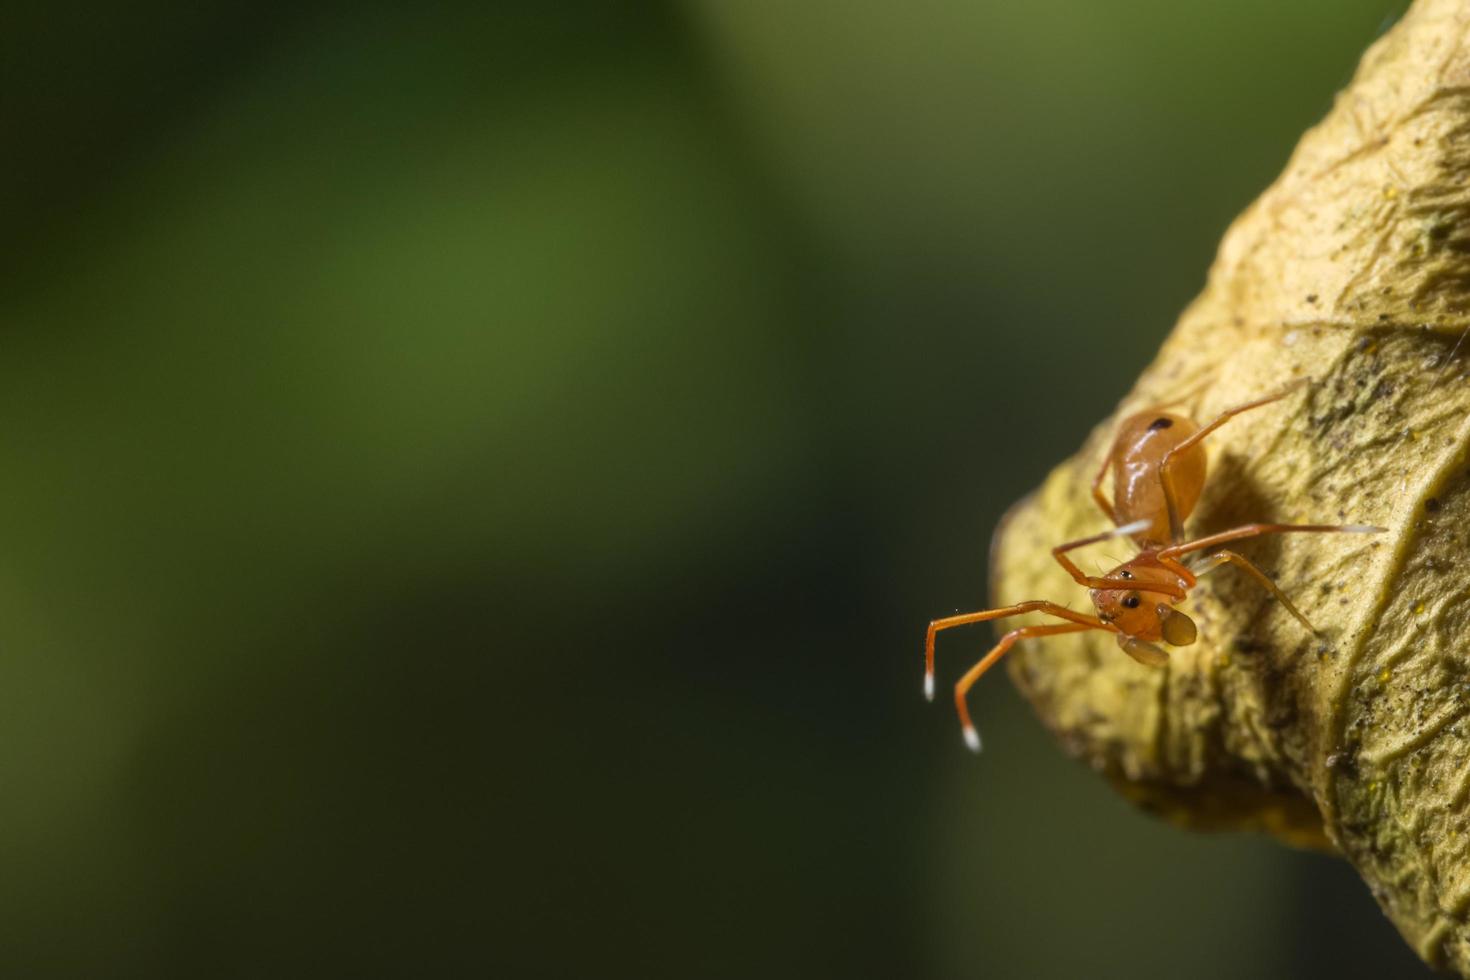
1353,269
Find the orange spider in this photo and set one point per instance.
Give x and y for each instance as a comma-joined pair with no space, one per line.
1159,473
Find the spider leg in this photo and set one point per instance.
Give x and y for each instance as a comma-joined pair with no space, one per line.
1097,481
1256,530
1227,557
1103,582
972,737
1020,608
1176,526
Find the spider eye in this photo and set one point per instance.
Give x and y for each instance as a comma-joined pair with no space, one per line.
1132,601
1125,573
1161,423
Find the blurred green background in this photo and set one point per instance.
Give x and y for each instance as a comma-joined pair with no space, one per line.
475,479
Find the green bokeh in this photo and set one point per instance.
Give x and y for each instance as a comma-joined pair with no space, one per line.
476,477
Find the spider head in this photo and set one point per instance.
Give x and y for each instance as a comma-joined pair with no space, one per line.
1143,613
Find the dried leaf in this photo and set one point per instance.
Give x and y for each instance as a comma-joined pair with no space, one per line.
1353,269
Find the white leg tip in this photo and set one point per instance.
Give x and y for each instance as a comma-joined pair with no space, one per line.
972,739
1363,529
1134,528
928,687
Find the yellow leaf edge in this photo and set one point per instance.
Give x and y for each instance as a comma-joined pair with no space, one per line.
1352,269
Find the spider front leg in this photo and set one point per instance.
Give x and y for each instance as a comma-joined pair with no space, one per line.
972,737
964,619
